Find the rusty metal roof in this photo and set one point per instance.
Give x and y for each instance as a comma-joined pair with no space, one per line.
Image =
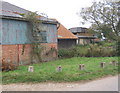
64,33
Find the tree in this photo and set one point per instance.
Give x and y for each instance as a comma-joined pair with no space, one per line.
104,18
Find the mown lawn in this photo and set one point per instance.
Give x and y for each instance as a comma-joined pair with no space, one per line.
44,72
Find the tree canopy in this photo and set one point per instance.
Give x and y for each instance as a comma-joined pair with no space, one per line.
104,18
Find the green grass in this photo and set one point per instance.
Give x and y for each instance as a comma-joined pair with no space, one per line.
44,72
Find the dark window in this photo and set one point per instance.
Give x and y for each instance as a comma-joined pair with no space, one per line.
75,33
41,36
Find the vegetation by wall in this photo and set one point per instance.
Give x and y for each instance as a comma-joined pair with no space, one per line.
93,50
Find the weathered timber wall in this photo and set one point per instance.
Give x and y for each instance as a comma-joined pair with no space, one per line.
16,32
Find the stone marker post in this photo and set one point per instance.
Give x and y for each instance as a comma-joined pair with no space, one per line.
81,66
30,69
59,69
102,64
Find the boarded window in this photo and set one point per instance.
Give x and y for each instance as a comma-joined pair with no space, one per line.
41,37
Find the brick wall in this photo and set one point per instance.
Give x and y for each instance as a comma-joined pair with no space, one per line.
15,54
47,53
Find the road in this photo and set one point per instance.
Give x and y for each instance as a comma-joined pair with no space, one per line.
103,84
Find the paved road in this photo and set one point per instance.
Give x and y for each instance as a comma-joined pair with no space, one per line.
104,84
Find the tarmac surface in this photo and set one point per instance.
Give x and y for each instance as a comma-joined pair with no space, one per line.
104,84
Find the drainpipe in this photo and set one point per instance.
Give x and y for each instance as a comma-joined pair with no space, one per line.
58,25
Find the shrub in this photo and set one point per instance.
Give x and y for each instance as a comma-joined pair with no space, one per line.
76,51
100,51
107,44
64,53
7,66
92,50
80,51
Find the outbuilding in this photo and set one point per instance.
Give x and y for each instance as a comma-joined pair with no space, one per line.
15,37
66,39
84,36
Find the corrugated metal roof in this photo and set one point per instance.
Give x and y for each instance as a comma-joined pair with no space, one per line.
11,10
85,33
78,29
64,33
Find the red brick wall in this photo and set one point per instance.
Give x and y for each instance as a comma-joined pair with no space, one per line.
10,53
46,54
13,53
24,57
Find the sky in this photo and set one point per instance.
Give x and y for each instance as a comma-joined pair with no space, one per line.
65,11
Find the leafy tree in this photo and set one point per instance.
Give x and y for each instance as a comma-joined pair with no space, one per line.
104,18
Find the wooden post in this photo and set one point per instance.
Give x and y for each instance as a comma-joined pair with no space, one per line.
81,66
30,69
59,69
102,64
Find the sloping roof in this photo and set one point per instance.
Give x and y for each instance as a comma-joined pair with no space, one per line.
64,33
11,10
83,33
78,29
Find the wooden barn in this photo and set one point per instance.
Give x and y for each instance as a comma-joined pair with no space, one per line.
15,42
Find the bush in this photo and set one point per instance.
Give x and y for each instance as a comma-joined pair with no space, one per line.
100,51
92,50
76,51
64,53
8,66
107,44
80,51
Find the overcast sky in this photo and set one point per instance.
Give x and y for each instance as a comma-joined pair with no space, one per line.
65,11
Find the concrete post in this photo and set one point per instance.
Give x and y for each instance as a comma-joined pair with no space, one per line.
59,69
30,69
102,64
81,66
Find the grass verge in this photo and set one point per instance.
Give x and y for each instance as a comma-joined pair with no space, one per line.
44,72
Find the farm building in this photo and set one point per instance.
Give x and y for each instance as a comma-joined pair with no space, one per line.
84,37
15,34
66,39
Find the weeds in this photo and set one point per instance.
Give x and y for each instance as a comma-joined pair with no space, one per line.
92,50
